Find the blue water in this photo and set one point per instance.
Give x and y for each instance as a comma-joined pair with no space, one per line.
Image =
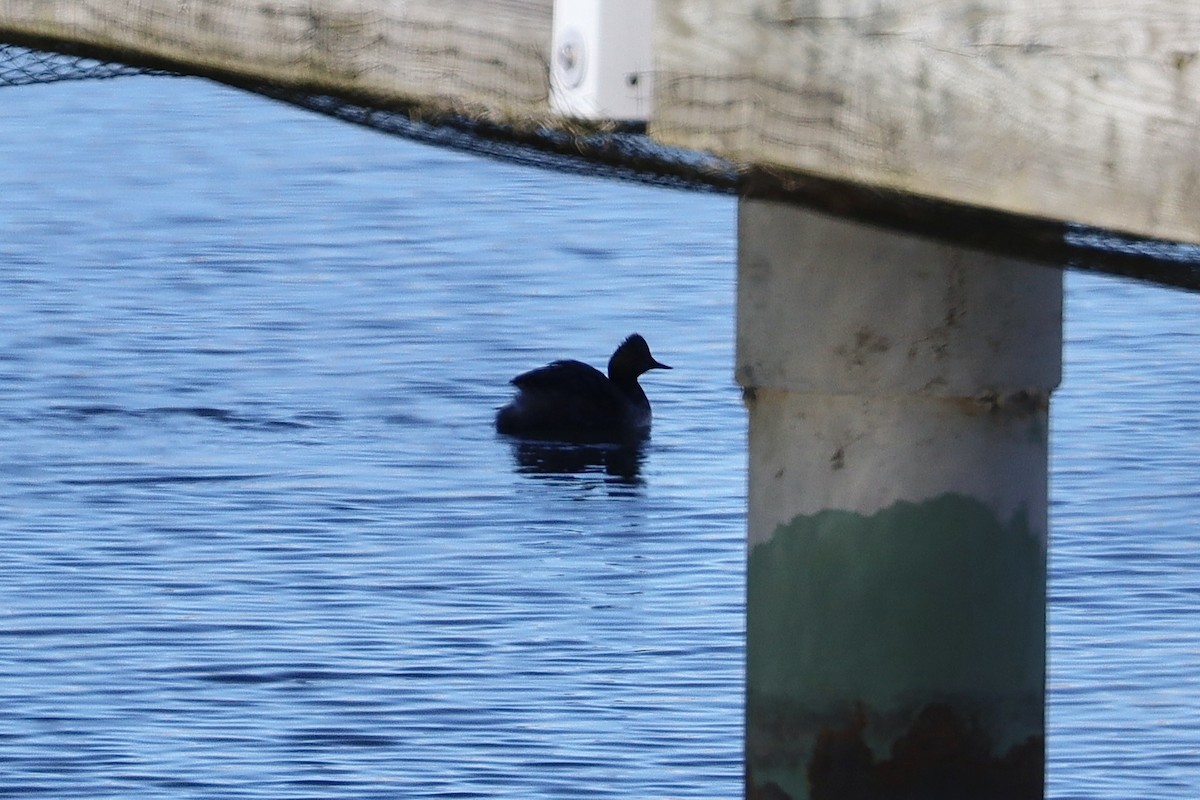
261,542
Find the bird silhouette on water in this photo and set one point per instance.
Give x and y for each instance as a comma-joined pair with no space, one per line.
570,401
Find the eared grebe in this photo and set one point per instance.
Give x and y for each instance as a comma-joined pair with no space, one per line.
570,401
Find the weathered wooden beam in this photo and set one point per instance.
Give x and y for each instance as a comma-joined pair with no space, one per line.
1046,109
485,58
1085,112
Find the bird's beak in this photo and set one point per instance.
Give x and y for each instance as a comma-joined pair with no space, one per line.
658,365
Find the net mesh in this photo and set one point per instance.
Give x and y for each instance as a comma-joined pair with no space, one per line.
21,66
633,156
621,155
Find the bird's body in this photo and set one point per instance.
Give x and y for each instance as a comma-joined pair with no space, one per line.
571,401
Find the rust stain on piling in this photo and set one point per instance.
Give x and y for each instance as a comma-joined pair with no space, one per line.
867,343
941,756
838,459
1018,403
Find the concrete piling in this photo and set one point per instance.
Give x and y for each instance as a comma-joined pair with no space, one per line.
896,590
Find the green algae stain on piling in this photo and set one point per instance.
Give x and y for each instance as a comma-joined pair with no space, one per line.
900,654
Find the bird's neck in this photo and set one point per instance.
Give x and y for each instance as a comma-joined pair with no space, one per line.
628,385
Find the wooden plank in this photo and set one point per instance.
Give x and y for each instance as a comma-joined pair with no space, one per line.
1049,108
486,58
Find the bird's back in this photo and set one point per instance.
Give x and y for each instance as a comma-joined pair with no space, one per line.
568,400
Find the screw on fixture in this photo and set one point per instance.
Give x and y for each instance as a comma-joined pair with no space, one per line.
570,59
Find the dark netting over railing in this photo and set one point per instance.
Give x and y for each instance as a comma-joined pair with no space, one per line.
20,66
620,154
623,155
633,156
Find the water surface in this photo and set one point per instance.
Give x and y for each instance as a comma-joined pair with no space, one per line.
261,541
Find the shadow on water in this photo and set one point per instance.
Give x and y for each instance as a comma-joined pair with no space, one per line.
620,461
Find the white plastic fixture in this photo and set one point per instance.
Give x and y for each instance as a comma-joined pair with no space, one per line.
601,59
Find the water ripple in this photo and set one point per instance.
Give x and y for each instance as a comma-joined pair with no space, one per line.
261,540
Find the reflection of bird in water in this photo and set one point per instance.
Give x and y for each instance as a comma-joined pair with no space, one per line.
620,461
569,401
